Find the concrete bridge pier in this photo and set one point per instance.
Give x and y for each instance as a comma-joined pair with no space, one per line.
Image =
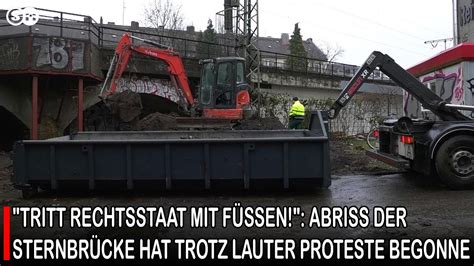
50,109
41,106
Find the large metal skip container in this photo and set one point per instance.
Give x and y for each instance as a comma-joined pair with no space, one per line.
169,159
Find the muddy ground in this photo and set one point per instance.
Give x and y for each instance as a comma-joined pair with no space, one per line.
348,158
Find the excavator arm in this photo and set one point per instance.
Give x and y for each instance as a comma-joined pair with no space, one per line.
402,78
123,53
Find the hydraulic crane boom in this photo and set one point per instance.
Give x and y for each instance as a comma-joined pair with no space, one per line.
405,80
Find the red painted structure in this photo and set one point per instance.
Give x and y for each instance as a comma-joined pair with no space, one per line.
454,55
35,109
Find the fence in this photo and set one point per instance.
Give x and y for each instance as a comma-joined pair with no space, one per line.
272,61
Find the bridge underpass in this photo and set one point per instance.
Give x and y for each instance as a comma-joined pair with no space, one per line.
51,72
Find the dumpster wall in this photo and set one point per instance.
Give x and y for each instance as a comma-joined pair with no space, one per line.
170,159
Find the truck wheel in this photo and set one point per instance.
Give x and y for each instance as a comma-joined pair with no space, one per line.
454,162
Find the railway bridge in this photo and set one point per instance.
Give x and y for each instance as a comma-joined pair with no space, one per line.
50,72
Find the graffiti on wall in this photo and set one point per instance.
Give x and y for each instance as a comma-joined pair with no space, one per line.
446,83
153,86
59,53
470,95
9,53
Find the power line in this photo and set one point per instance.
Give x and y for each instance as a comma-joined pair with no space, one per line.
371,21
332,30
435,43
378,22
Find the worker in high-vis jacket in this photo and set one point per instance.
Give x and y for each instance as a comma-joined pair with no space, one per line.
296,114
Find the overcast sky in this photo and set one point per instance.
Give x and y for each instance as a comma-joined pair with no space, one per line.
398,28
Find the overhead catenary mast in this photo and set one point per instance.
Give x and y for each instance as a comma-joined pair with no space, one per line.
455,23
123,12
435,43
241,17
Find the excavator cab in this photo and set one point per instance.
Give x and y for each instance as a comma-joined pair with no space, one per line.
223,92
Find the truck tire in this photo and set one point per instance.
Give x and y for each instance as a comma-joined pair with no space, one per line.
454,162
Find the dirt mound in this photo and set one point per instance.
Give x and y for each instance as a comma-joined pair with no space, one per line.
126,105
265,123
156,121
159,121
130,111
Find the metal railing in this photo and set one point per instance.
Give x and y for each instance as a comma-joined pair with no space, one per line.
277,61
186,47
77,26
57,23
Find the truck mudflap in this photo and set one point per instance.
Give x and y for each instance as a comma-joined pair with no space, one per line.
164,160
389,159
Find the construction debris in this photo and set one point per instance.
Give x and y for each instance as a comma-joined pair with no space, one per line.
130,111
126,105
259,123
157,121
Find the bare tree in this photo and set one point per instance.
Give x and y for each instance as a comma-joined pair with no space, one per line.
164,14
332,52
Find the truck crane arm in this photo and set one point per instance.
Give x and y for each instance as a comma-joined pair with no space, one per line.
405,80
122,55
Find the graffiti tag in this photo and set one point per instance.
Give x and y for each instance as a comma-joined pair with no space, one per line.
470,96
447,84
158,87
9,53
59,53
450,85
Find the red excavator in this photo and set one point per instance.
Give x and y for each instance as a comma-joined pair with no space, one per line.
223,94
